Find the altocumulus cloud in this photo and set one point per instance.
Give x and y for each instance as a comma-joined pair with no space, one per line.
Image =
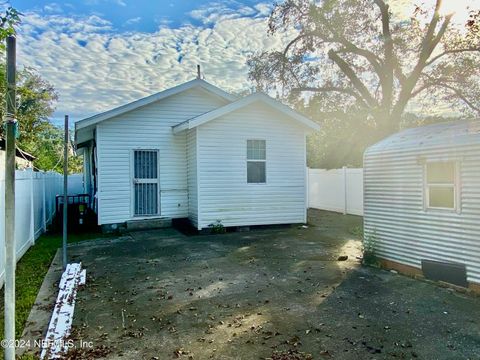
95,68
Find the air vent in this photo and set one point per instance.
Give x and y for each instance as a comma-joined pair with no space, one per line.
453,273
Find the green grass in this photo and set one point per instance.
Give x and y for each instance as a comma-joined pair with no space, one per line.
357,231
31,269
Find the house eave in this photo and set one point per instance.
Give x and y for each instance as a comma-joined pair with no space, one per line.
201,119
93,120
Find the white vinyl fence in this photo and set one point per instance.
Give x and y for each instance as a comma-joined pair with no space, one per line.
339,190
75,184
35,194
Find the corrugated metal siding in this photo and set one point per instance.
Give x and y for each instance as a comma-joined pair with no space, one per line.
192,176
148,127
394,214
224,193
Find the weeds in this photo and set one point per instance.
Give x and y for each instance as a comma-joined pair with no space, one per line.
370,250
217,227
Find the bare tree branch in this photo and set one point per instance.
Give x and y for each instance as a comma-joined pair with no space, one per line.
461,96
371,57
452,51
356,82
388,71
332,89
294,41
429,44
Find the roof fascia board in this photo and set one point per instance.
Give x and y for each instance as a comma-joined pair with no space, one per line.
201,119
151,99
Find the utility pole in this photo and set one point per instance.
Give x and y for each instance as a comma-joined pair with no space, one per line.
65,195
10,256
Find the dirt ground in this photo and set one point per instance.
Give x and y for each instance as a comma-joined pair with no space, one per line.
279,293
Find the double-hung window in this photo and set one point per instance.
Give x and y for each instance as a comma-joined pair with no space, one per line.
441,185
256,162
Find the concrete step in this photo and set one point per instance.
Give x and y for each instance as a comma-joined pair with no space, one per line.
145,224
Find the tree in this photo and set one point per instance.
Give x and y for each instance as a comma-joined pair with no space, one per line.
8,21
35,104
36,100
48,150
356,56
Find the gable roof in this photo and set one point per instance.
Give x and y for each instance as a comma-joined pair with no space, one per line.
202,119
151,99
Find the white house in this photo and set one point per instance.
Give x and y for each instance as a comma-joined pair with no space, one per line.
422,201
197,151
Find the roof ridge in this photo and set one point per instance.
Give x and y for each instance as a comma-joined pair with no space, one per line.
119,110
212,114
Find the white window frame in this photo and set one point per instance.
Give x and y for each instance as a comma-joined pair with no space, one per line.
255,160
455,186
132,184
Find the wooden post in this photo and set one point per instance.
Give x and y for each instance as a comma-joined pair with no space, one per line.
10,256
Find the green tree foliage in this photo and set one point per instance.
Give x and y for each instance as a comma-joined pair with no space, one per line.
35,103
48,150
8,20
363,68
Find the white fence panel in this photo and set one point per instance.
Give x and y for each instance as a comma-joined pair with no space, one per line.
339,190
35,194
39,215
354,191
24,236
75,184
2,222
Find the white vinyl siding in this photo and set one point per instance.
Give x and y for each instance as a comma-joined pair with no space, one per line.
224,193
192,176
147,127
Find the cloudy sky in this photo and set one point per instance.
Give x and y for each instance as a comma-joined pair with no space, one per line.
102,53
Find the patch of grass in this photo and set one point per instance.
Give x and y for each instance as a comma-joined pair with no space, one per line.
31,269
357,231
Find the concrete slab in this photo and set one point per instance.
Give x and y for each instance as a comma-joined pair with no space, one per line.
163,295
147,224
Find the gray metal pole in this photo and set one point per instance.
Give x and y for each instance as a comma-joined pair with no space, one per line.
10,256
65,194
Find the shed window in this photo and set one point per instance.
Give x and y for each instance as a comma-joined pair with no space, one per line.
256,161
441,185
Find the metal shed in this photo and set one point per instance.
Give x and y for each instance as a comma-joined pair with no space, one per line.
422,202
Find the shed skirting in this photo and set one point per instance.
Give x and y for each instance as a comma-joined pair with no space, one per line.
418,273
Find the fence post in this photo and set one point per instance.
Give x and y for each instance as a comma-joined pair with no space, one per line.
32,207
44,203
344,168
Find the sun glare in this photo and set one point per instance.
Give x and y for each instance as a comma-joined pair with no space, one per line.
459,8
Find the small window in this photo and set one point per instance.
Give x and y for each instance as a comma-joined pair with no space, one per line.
441,185
256,161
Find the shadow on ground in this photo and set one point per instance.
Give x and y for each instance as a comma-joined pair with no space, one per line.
163,295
